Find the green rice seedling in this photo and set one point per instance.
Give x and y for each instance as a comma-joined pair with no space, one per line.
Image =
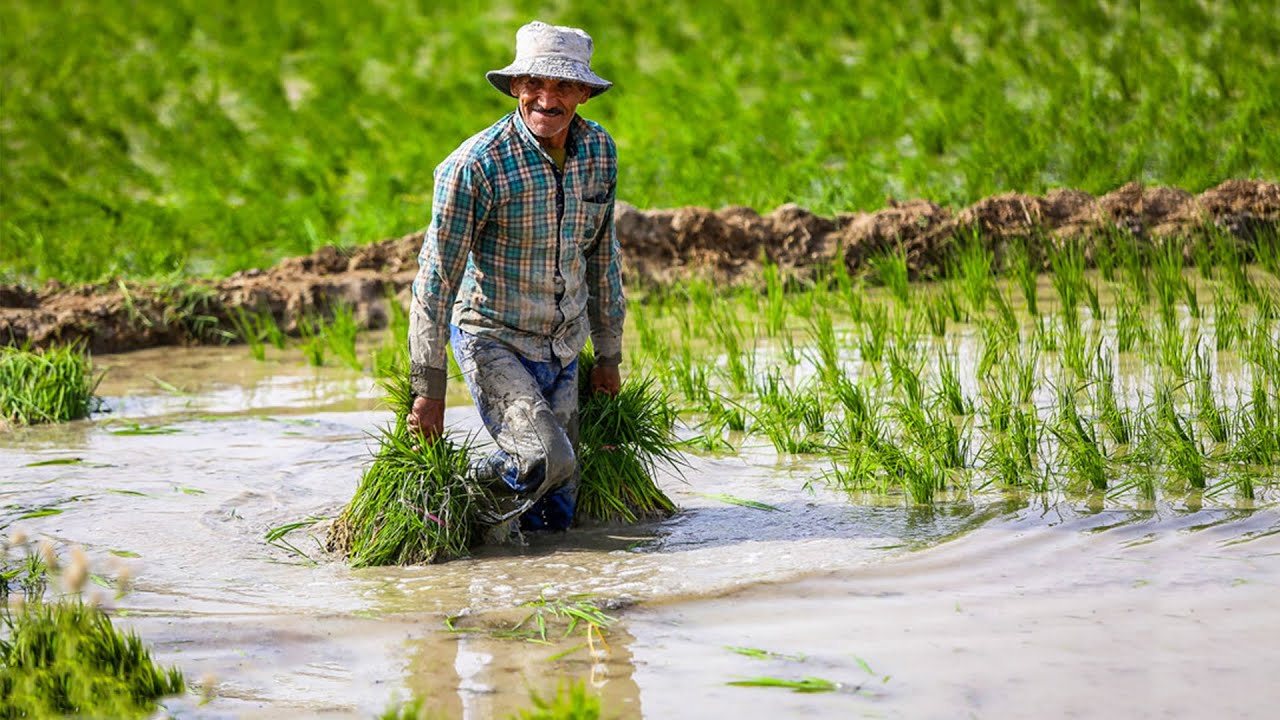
804,685
1113,419
1046,334
997,397
1004,310
956,308
740,502
1095,305
1183,451
949,390
1131,326
340,335
822,331
1237,479
1135,261
1202,255
572,701
1234,266
66,658
919,476
1174,350
46,386
739,363
412,505
1022,268
1067,263
890,269
622,443
1189,297
1258,421
1135,478
904,371
973,267
862,411
1167,278
311,329
936,313
1079,452
1266,251
246,330
1209,414
1075,350
871,341
1228,322
856,469
1010,456
793,420
776,313
1104,257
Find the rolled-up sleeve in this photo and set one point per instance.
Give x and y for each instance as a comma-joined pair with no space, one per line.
459,208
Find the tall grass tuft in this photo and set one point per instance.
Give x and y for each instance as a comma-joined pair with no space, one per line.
46,386
622,443
890,268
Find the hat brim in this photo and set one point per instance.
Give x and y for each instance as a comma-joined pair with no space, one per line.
547,67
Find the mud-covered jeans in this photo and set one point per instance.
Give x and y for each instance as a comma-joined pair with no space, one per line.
531,410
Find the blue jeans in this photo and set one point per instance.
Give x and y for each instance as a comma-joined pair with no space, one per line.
531,410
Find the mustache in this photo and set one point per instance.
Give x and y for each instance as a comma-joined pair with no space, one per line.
546,111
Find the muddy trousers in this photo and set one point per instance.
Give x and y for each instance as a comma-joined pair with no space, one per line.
531,410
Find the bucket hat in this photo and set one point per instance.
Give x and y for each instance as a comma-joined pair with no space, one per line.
550,51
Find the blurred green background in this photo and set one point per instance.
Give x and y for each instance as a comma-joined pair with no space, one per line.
196,137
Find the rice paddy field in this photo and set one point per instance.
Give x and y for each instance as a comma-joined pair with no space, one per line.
1039,479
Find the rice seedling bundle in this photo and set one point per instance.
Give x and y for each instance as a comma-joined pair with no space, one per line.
413,505
45,386
622,442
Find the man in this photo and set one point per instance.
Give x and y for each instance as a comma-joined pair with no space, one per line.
519,266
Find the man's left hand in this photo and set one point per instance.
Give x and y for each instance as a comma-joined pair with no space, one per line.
606,379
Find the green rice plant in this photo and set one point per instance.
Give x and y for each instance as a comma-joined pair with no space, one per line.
66,658
997,342
890,269
1167,279
904,371
412,505
1234,266
46,386
793,420
972,265
1237,479
1212,417
856,469
949,391
957,311
823,334
622,442
572,701
340,335
1131,326
1023,269
862,412
1067,264
875,330
1135,478
1183,451
1046,337
1004,310
1135,260
1228,322
249,329
1202,255
1104,257
311,329
936,314
1174,351
1189,297
804,685
1010,455
739,363
1079,451
1258,421
776,313
1112,418
1266,251
1076,350
920,478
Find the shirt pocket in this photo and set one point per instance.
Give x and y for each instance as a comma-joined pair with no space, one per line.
590,217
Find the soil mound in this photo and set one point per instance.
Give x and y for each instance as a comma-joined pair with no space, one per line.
659,246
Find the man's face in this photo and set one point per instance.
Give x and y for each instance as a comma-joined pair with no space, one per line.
547,106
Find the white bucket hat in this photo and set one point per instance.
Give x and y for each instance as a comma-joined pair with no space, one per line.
550,51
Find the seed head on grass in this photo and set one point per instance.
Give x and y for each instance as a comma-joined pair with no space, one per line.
622,442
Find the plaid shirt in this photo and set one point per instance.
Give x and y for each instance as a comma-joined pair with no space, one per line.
519,251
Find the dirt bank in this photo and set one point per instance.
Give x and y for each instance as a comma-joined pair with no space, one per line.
661,246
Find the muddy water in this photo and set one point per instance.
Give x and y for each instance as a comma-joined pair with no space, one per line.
997,610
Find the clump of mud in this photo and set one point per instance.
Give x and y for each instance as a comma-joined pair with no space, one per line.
659,246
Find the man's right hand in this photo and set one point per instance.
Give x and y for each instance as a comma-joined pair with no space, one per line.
426,418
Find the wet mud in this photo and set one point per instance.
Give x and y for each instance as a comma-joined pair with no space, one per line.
659,246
